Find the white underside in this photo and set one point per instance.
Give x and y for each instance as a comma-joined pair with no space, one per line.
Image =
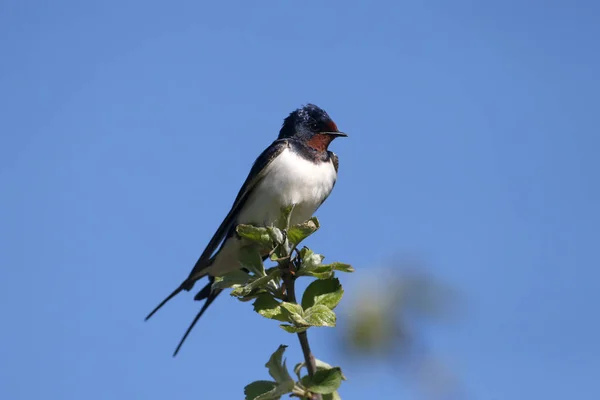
289,179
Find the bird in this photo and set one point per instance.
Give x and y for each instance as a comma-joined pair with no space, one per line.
296,169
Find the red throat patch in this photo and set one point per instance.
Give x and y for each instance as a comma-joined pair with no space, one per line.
320,142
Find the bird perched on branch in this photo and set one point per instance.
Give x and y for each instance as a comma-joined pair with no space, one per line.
296,169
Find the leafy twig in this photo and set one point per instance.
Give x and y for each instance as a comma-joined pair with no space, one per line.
274,293
289,281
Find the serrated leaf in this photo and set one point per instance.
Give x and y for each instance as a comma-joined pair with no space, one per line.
255,234
312,265
292,307
276,366
256,284
251,232
299,232
295,313
322,272
250,258
235,278
292,328
327,292
267,390
275,234
324,381
268,307
310,260
320,315
338,266
258,388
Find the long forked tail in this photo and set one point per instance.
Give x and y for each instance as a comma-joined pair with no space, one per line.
206,293
186,285
162,303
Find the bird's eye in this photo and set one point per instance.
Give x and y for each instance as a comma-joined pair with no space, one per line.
314,126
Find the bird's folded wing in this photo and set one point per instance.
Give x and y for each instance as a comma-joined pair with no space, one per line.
257,173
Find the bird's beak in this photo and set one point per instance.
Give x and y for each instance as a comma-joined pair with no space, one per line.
335,134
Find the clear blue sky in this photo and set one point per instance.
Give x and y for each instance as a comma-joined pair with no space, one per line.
127,128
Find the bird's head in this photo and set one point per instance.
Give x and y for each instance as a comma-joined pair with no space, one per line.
311,125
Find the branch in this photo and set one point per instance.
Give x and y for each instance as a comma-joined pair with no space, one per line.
278,302
289,281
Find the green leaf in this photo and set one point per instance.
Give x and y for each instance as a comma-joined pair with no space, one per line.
251,259
252,296
325,271
256,389
311,265
320,365
276,235
338,266
332,396
276,366
327,292
254,234
295,314
292,308
300,392
284,218
310,260
235,278
298,367
268,307
267,390
292,328
324,381
322,272
320,315
255,285
298,233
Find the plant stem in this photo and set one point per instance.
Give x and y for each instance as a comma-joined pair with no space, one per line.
289,281
290,290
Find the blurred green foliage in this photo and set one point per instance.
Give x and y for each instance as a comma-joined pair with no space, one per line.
384,322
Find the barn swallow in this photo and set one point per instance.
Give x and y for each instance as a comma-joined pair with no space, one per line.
296,169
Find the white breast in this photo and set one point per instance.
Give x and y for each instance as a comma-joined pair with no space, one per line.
289,179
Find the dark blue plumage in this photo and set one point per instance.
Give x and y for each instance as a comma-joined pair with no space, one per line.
297,168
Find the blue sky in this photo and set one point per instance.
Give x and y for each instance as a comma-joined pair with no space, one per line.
127,128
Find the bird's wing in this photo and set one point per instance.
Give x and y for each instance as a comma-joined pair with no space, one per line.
257,173
335,160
